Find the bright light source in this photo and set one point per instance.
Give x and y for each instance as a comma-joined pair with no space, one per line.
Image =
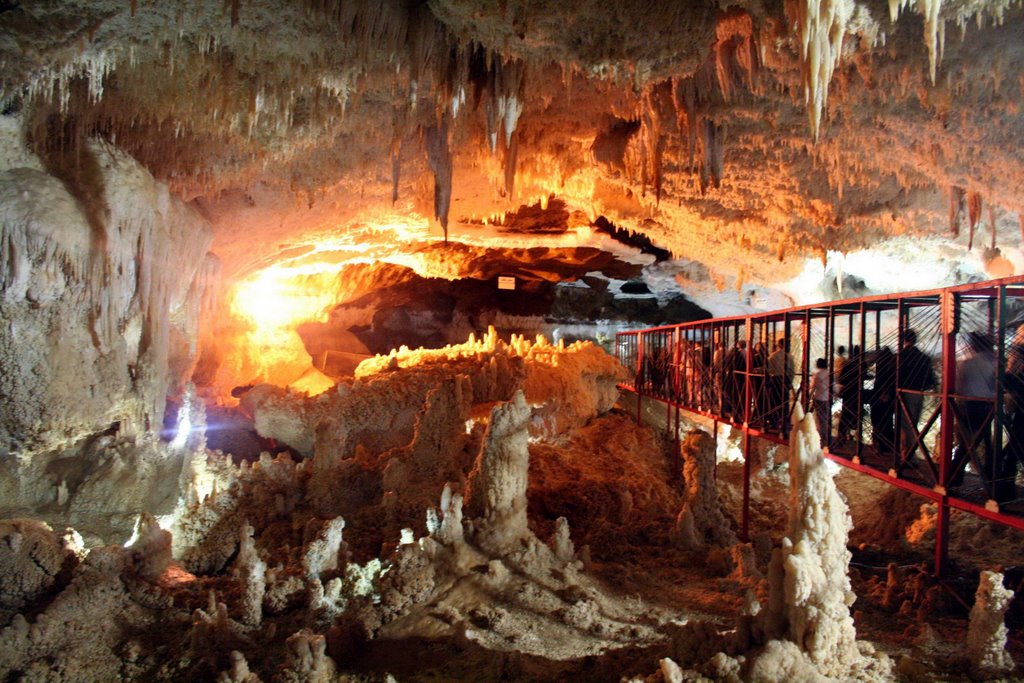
184,423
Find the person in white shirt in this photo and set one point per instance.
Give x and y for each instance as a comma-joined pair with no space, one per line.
976,382
819,394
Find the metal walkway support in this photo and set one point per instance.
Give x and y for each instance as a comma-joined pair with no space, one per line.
922,390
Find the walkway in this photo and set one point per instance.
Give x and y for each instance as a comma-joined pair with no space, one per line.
888,389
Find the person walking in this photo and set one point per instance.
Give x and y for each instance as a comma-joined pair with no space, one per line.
914,376
1012,457
883,401
976,383
851,379
780,378
820,397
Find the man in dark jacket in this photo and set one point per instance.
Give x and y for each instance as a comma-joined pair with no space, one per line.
914,374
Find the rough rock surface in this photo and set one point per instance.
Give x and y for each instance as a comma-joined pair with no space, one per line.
986,637
700,521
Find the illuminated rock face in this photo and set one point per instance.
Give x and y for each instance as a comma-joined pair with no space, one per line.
100,322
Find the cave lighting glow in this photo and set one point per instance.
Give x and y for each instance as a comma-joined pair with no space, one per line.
269,304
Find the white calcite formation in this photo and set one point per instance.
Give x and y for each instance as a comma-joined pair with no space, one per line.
809,584
251,573
33,560
497,483
150,550
806,631
100,303
986,636
250,550
407,419
104,281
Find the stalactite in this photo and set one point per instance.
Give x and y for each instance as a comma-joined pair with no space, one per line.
439,156
821,25
684,97
658,109
734,51
992,222
956,198
973,214
930,10
511,158
396,167
712,154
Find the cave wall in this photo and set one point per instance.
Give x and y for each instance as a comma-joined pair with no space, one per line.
103,277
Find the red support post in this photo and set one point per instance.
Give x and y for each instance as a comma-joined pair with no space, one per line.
639,376
746,433
948,317
680,377
745,530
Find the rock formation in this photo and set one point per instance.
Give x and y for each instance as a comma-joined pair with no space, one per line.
700,521
986,637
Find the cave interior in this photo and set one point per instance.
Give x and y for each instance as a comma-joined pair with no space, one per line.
307,324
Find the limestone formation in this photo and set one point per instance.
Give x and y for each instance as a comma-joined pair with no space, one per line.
251,572
986,637
700,521
809,586
498,481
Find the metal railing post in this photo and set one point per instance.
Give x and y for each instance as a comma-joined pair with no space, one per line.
746,434
948,313
997,428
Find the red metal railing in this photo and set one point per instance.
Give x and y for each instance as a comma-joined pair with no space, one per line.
891,405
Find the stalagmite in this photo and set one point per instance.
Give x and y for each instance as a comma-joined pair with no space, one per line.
250,571
323,554
307,659
986,634
562,541
239,671
151,550
497,483
809,582
32,558
700,522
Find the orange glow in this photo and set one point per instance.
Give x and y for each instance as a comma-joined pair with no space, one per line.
268,306
306,282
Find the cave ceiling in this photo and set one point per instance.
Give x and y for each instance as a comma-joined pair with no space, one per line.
748,130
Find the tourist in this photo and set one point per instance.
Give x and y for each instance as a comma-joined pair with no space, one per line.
780,377
976,383
820,396
735,381
883,401
851,380
914,376
1012,456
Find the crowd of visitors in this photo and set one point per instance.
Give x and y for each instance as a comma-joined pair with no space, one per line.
878,395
